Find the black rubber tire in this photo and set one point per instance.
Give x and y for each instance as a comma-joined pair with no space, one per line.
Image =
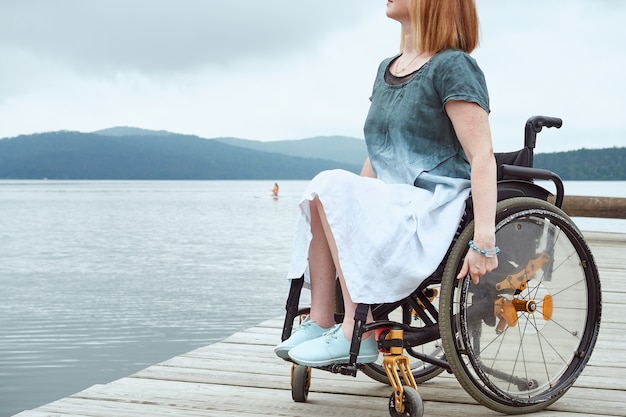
572,276
300,383
413,404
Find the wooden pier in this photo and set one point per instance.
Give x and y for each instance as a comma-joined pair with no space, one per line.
241,376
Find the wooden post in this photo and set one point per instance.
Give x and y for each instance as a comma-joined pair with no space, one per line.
605,207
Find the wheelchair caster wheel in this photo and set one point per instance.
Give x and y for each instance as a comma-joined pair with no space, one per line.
300,383
413,405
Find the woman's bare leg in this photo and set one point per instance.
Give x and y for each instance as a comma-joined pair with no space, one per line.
323,273
331,247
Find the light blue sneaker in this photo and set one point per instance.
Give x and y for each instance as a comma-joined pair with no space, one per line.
332,348
306,331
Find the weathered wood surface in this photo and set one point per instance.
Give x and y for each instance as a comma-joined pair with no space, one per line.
241,376
602,207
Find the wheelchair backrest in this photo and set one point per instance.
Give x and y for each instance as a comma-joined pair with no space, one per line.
522,158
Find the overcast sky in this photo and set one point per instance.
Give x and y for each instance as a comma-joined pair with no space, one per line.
290,69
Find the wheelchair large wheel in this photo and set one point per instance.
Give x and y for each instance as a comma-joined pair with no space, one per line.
518,340
415,314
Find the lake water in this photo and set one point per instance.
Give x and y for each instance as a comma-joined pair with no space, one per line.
99,279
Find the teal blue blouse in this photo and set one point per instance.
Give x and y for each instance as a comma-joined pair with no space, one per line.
409,137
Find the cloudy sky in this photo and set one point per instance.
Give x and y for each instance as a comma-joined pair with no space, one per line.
290,69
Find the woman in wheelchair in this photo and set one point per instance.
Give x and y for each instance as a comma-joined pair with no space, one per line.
429,143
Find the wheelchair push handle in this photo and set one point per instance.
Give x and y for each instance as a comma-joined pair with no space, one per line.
539,122
535,124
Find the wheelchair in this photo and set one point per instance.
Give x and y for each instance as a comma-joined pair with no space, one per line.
519,339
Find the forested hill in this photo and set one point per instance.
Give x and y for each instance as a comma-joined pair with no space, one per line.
74,155
586,164
131,153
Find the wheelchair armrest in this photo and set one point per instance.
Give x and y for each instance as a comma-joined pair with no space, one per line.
536,173
507,189
518,188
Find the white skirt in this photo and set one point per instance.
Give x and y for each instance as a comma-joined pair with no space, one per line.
390,237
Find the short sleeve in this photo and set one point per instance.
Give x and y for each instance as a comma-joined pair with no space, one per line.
460,78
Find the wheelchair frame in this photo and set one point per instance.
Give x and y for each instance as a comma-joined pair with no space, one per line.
543,255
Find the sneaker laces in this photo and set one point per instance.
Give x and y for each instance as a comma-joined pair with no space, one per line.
332,333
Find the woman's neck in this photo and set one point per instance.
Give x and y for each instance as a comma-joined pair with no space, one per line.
408,40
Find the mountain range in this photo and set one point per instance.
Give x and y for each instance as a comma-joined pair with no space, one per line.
133,153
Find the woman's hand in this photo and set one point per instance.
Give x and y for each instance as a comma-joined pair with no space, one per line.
477,265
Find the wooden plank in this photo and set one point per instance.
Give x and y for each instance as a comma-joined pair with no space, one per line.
213,396
99,408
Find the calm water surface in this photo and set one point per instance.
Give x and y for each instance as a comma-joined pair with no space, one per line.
100,279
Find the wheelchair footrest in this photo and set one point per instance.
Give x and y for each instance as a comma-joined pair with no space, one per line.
342,368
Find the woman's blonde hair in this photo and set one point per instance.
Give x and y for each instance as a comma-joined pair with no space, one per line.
444,24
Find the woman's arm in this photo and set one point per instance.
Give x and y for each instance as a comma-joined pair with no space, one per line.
367,170
471,124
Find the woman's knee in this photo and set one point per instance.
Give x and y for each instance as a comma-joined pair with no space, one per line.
331,176
331,183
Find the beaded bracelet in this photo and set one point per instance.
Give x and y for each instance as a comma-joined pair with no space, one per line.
489,252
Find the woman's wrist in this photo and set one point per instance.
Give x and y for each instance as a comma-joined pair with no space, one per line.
484,242
484,238
488,251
